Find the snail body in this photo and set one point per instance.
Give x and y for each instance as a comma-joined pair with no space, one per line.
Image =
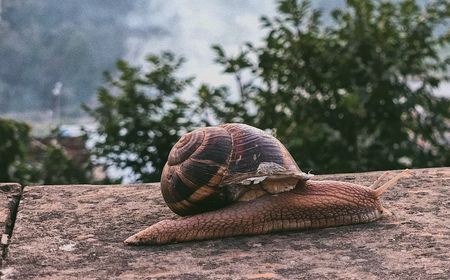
235,179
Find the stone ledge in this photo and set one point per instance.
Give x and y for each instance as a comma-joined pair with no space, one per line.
76,232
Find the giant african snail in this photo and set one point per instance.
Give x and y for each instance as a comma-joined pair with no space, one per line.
235,179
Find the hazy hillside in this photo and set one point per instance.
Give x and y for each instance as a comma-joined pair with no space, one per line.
43,43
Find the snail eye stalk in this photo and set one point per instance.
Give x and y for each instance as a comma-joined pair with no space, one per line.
380,190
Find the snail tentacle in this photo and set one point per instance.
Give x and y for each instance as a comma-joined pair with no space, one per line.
380,190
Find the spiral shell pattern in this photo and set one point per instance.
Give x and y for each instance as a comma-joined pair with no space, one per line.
196,166
204,158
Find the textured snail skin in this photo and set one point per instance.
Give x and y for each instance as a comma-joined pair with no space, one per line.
312,204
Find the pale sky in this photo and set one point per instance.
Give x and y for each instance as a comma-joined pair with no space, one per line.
194,25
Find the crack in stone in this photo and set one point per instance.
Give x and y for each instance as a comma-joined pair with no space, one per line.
13,193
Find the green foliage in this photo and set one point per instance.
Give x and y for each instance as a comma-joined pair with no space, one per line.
352,96
13,143
58,168
141,116
25,163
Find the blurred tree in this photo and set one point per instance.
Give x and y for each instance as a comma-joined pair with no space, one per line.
353,96
141,116
58,168
27,163
13,143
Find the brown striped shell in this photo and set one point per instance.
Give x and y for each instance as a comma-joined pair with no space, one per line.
211,167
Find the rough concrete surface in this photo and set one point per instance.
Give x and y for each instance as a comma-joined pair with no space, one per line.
76,232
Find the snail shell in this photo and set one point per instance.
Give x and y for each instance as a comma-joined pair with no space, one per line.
212,167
